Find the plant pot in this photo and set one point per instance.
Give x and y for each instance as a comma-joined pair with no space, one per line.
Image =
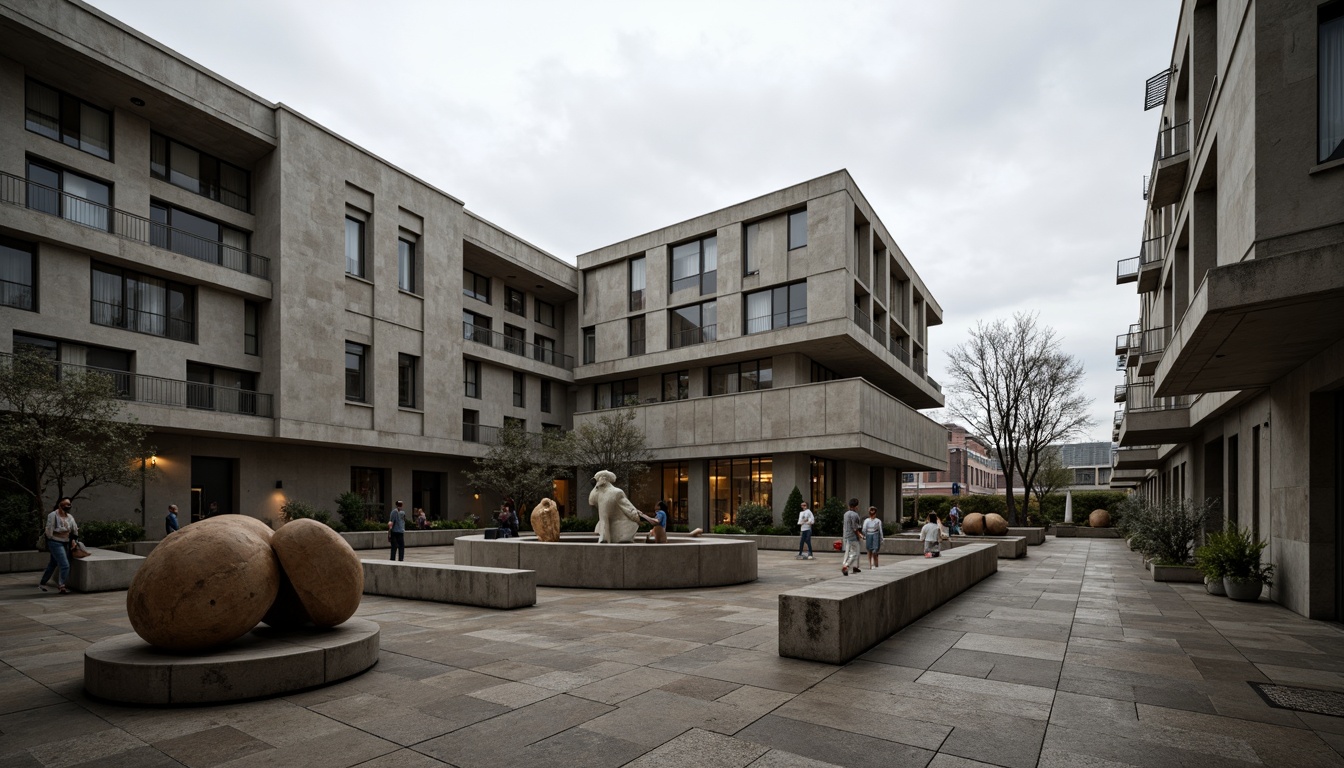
1214,586
1243,589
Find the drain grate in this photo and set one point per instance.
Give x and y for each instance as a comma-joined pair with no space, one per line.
1302,699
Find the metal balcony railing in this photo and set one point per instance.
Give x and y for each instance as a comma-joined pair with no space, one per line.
1172,141
490,338
141,321
15,190
1127,270
1141,399
1118,419
862,320
1145,187
692,336
1152,249
1120,362
1154,340
1121,392
480,433
153,390
18,295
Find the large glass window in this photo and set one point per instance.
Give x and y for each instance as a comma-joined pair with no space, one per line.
747,376
476,327
354,246
821,373
471,426
519,390
515,339
408,376
198,172
18,269
543,349
370,484
734,482
694,324
221,389
515,301
545,396
636,334
616,394
589,345
251,322
69,195
797,229
471,377
751,239
1330,82
476,286
189,234
637,283
823,478
69,120
676,385
355,372
406,263
667,481
124,299
545,313
777,307
696,263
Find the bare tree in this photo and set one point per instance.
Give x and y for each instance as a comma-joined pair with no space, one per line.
614,442
1012,384
1052,476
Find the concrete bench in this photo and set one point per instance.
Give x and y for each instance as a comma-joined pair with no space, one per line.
103,570
432,538
460,584
836,620
1034,536
1010,547
1084,532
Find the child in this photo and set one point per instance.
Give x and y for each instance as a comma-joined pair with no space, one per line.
930,534
872,536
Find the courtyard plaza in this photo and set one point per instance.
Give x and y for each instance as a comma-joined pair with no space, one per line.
1069,657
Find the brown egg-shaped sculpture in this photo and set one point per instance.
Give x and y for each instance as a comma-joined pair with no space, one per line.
995,525
287,611
205,585
973,525
325,572
1099,518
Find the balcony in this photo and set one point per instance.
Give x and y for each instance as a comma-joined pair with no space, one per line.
1171,162
1127,270
692,336
1127,345
20,192
1127,478
1152,343
496,340
480,433
1137,457
1154,420
879,333
1150,263
1121,392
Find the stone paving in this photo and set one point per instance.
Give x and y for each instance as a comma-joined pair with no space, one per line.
1069,657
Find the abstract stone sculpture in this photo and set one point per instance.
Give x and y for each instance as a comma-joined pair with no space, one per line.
973,525
995,525
546,521
205,585
1099,518
324,571
617,518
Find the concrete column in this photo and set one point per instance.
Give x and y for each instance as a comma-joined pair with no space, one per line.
890,505
790,470
697,492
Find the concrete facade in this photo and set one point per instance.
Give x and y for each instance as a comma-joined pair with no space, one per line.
248,382
1235,370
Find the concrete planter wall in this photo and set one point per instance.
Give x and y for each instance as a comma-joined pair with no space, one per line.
1184,574
432,538
1081,532
1009,547
577,560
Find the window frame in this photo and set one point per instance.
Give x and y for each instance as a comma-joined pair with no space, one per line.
360,258
605,394
549,320
519,389
737,372
471,379
588,338
515,302
673,340
477,282
252,316
214,192
361,376
707,279
790,315
408,257
63,121
515,339
471,425
63,197
751,259
164,234
21,246
129,301
789,225
681,385
545,396
637,294
543,349
408,381
636,345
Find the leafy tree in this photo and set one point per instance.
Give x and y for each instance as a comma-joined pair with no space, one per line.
613,442
519,465
793,507
1013,385
62,429
1052,476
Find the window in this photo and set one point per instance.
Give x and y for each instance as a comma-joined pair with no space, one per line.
476,327
69,120
676,385
589,344
616,394
543,349
694,324
471,426
636,332
751,257
370,484
67,194
797,229
124,299
1085,476
197,237
354,246
476,286
777,307
519,390
515,302
637,283
407,380
545,396
251,342
734,482
18,267
821,373
471,377
114,362
696,263
515,339
545,313
823,477
406,263
195,171
1330,82
355,372
747,376
221,389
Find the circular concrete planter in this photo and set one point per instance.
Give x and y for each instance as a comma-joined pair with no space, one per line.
1243,589
265,662
577,560
1214,587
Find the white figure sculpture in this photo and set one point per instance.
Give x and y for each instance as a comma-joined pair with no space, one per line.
617,518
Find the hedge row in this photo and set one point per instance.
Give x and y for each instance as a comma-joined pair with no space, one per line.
1052,510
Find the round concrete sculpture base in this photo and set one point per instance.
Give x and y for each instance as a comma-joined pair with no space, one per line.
578,560
265,662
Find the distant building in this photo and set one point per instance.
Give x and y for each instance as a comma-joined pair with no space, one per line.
1090,463
971,467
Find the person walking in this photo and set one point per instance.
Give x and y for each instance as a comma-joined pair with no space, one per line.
60,530
421,521
872,536
850,527
805,522
396,532
170,520
954,520
930,535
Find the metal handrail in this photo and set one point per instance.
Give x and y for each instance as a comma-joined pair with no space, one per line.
19,295
692,336
1121,392
480,433
1119,418
142,321
1172,141
18,191
1141,399
492,338
155,390
1151,250
1154,340
1127,268
1146,186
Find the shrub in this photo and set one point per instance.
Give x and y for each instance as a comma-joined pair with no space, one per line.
1242,557
830,518
729,529
451,525
361,524
351,507
1212,558
679,528
106,533
1167,530
298,510
776,530
578,524
793,506
888,529
19,524
754,517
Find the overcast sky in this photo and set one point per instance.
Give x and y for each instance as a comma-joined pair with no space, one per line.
1002,144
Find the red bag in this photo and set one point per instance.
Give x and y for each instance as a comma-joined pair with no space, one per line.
839,545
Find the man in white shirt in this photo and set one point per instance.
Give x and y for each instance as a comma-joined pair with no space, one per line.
930,535
805,521
850,529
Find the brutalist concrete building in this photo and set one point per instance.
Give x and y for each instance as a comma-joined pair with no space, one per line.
1235,368
296,317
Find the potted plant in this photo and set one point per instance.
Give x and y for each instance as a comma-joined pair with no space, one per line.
1211,559
1244,577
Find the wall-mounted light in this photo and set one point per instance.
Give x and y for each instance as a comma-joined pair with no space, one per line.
279,484
137,101
476,496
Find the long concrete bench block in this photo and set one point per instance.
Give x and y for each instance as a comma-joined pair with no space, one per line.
1034,536
461,584
836,620
104,571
